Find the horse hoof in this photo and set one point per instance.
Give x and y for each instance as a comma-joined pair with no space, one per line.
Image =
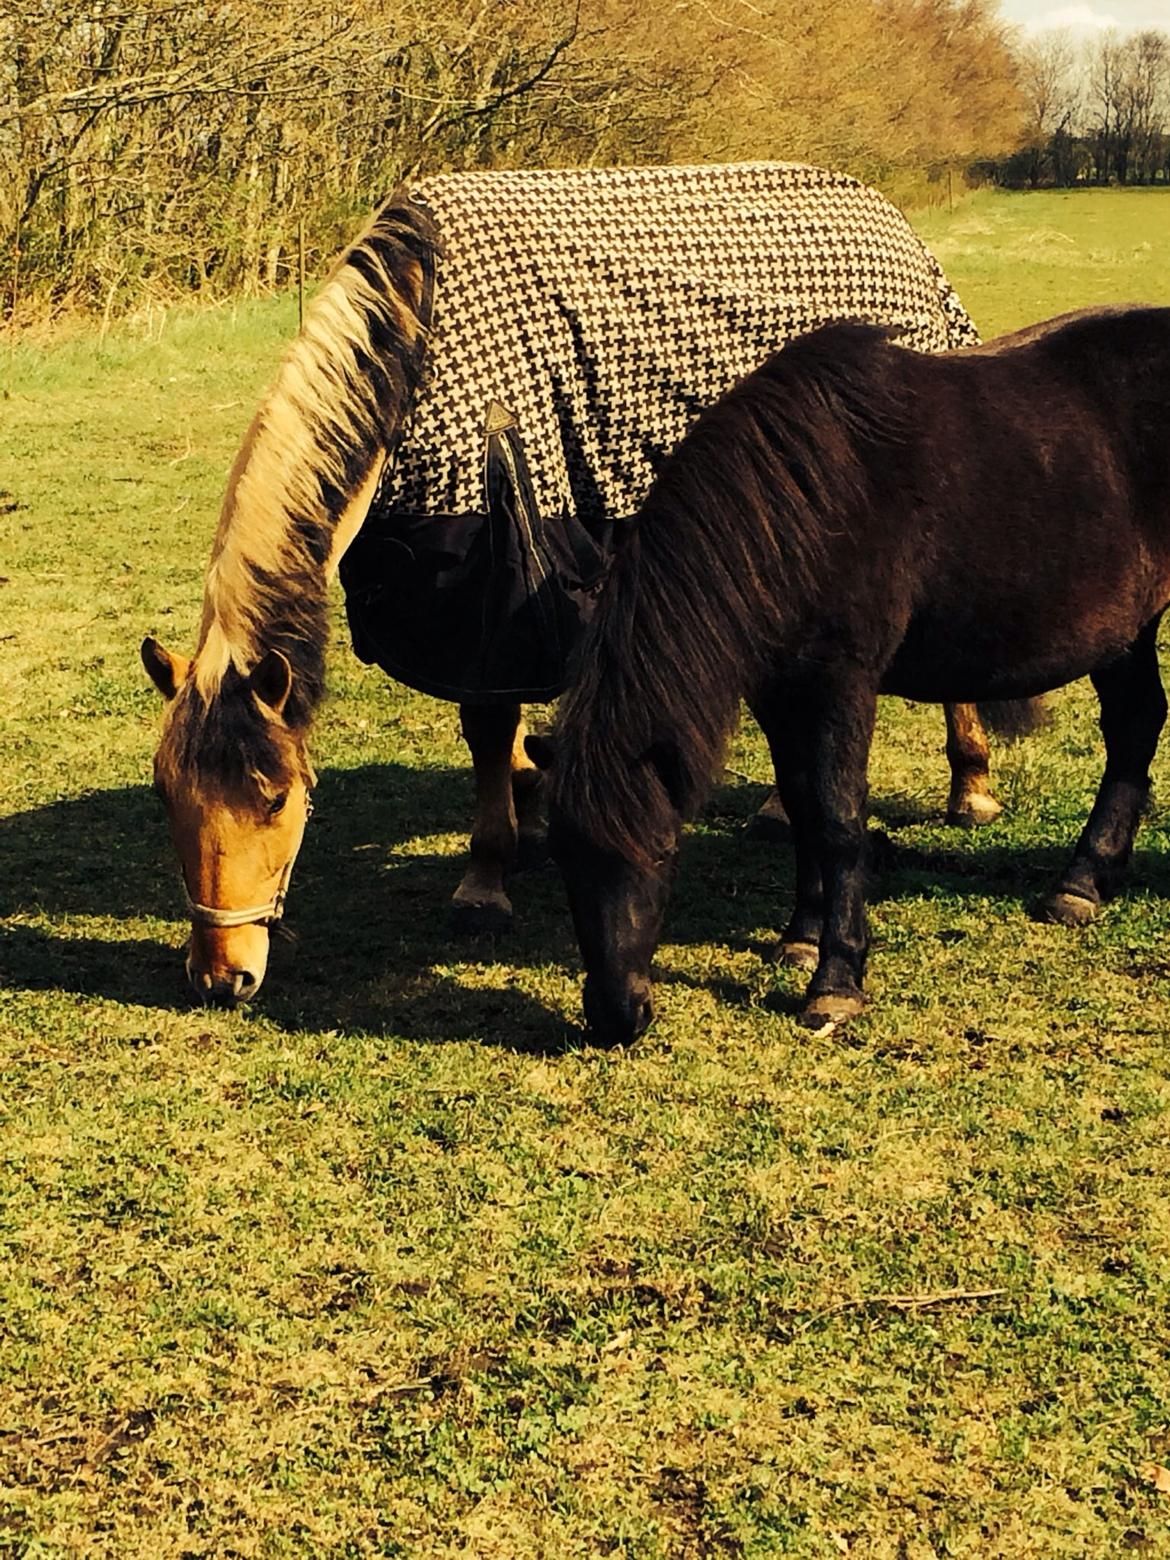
822,1015
800,955
1069,909
480,917
973,811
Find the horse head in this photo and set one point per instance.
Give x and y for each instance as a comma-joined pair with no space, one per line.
235,779
617,907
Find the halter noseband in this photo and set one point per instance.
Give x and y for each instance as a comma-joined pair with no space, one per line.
270,911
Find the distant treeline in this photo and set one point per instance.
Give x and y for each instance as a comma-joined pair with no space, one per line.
1098,114
155,147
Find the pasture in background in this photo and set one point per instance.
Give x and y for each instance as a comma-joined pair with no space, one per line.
392,1264
1014,259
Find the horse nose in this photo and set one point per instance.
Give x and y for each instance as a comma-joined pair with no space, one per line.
226,987
618,1019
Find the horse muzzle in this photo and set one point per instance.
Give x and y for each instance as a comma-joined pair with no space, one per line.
617,1016
228,952
226,967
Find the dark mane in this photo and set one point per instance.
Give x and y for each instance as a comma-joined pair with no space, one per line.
228,741
676,642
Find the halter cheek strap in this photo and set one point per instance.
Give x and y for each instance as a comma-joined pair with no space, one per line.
270,911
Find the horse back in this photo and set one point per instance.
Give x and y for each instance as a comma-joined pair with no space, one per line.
1039,482
986,523
1059,425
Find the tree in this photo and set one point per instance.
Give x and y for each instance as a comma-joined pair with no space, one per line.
170,144
1147,78
1051,88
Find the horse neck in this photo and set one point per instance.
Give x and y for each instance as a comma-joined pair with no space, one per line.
282,532
309,466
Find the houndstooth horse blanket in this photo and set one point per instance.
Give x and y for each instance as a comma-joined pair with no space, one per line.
581,320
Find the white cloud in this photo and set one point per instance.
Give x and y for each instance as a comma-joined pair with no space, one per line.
1076,18
1088,18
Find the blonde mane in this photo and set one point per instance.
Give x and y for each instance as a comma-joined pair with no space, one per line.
307,469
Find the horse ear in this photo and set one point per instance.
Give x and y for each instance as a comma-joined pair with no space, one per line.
271,680
664,757
166,671
542,750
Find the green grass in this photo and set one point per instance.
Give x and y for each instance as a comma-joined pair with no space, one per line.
1019,258
393,1264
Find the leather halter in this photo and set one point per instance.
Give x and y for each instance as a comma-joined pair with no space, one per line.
270,911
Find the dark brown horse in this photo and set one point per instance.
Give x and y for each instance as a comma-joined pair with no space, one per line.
856,518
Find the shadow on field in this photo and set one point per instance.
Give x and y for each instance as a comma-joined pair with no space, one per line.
370,901
135,970
107,853
731,885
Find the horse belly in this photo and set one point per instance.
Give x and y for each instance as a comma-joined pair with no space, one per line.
1015,654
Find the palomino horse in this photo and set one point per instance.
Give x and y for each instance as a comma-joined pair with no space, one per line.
516,345
855,518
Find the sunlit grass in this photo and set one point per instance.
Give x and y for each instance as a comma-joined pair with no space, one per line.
1019,258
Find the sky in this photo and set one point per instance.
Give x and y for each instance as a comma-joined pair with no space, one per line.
1086,17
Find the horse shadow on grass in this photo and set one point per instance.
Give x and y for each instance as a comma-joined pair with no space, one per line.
368,913
375,949
738,891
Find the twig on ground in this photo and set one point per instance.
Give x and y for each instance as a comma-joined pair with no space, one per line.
407,1388
738,774
894,1302
918,1302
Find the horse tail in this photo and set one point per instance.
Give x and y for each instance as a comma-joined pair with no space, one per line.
1014,719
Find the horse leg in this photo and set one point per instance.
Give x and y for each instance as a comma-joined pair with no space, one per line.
528,795
1133,712
846,711
480,903
787,739
969,755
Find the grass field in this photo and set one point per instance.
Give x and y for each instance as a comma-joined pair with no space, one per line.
393,1263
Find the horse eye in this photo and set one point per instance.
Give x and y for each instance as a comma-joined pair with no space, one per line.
277,804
